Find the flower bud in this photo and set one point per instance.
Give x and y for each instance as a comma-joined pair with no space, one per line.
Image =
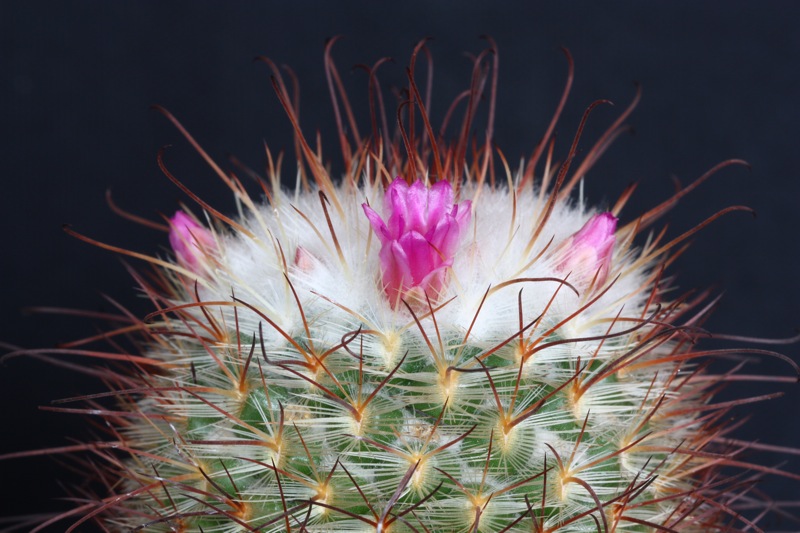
304,260
190,241
420,237
587,253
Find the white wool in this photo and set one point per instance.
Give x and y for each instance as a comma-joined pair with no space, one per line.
348,293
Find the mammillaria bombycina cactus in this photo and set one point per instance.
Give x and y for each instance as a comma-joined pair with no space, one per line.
433,342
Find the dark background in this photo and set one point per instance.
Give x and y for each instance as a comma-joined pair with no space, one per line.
720,80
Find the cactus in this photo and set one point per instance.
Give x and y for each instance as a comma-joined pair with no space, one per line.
434,342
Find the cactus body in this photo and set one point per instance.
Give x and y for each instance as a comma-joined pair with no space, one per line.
307,392
326,361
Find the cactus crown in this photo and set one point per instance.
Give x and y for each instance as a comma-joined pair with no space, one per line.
453,351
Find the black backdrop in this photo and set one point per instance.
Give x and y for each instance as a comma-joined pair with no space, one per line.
720,80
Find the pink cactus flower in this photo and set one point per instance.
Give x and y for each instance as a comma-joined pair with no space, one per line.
420,237
587,253
190,241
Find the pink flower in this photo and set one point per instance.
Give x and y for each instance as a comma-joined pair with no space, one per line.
588,252
190,241
420,238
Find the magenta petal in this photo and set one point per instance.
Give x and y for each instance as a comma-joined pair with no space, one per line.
397,210
445,236
397,225
395,270
417,207
463,214
377,223
422,257
440,200
433,283
395,198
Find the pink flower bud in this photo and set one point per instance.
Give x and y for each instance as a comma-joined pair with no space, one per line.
190,241
588,252
304,260
420,237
